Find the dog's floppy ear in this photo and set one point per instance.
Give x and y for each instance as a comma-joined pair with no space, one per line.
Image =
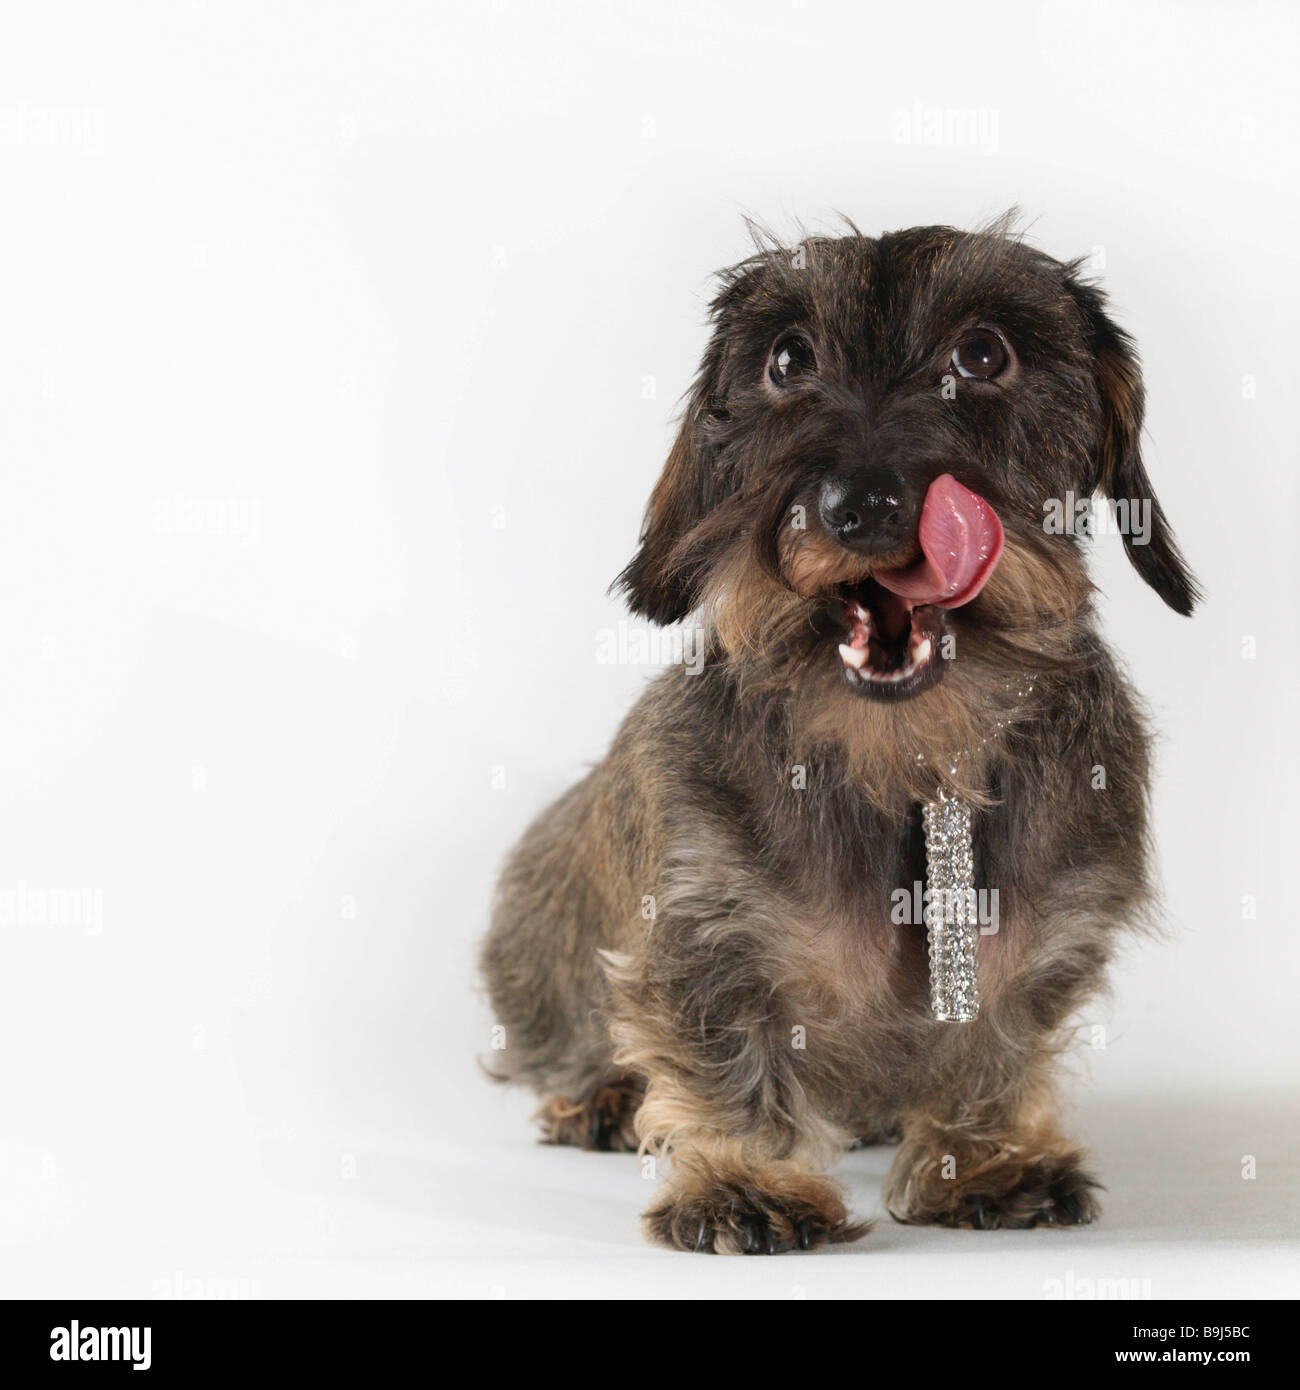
666,576
662,584
1119,470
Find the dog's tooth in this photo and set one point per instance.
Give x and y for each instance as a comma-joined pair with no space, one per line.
853,656
922,652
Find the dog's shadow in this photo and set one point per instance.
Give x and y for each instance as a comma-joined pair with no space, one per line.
1173,1168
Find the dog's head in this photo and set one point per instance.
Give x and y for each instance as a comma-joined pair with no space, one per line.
880,438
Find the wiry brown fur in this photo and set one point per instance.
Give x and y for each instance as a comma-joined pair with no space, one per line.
706,918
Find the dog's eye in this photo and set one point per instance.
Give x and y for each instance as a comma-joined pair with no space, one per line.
792,358
981,353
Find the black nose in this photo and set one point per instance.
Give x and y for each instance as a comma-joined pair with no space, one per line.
869,509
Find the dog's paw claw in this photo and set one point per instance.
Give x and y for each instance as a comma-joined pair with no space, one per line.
1077,1207
758,1237
1044,1194
736,1219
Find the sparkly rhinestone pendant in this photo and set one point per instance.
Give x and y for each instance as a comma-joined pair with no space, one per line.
952,925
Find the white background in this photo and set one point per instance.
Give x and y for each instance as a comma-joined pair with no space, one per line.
339,348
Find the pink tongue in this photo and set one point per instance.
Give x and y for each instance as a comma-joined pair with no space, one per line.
961,539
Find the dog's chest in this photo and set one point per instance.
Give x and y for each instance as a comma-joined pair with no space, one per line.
877,946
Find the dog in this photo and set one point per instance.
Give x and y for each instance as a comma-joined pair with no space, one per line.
698,951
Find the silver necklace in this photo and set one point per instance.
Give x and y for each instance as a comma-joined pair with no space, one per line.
951,924
951,919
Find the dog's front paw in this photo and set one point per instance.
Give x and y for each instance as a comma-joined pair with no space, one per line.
733,1215
1046,1194
997,1194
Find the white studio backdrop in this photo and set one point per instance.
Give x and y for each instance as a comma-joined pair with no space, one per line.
340,350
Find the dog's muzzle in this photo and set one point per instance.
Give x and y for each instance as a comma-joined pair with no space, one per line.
894,616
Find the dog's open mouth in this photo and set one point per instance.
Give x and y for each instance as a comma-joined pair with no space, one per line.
895,618
892,650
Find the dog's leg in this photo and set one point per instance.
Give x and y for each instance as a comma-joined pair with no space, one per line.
725,1105
540,965
995,1163
603,1120
884,1133
723,1198
982,1144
